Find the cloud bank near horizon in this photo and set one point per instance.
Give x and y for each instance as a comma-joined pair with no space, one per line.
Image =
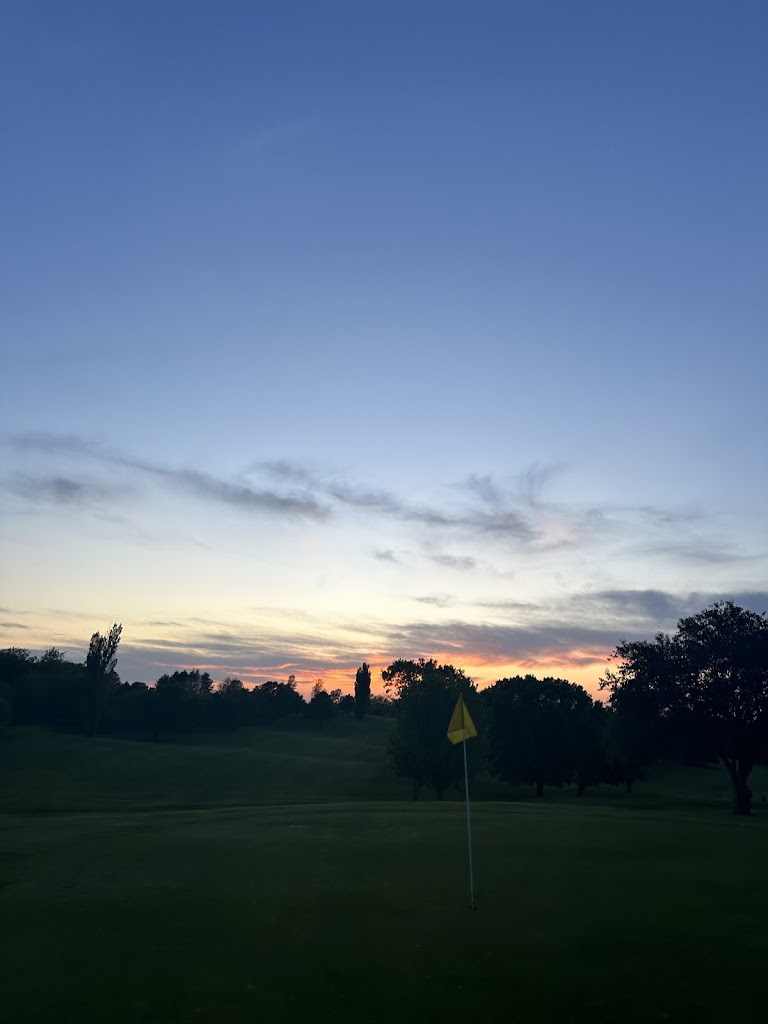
578,634
484,571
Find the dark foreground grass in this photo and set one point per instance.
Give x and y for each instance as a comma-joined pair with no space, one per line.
358,912
343,760
47,772
268,876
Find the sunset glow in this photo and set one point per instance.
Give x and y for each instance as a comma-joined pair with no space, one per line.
309,362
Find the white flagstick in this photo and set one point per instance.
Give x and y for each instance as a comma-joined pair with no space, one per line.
469,825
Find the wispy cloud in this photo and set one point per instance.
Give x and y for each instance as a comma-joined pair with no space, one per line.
284,469
623,614
702,550
190,481
653,606
486,488
657,609
515,507
386,555
462,563
99,497
499,520
525,488
511,515
292,489
238,651
208,487
436,600
63,490
528,645
511,606
532,481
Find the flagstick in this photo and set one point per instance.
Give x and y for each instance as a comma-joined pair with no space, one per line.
469,833
459,728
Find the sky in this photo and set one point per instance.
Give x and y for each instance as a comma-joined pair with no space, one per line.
348,330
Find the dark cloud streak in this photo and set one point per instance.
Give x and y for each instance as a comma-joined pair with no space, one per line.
386,556
486,508
192,481
462,563
63,490
499,520
436,600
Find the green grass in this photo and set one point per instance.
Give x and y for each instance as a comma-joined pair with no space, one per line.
44,771
115,907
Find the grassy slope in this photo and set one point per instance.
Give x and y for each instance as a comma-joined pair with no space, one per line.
649,908
57,772
296,763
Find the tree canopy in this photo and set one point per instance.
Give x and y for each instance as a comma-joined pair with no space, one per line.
426,694
700,694
705,689
540,731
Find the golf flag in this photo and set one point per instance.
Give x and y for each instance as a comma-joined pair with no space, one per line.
461,726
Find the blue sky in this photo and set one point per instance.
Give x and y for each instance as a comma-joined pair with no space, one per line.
341,331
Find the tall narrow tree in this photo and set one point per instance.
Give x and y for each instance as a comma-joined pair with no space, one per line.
100,675
362,690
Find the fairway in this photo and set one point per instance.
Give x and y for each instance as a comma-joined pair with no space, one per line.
357,910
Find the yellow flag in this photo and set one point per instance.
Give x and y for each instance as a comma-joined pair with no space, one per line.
461,726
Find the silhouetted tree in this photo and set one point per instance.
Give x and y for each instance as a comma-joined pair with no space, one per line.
535,728
381,705
273,700
404,672
590,764
362,690
704,690
100,674
130,710
419,748
630,745
180,701
59,691
320,706
228,704
346,703
16,663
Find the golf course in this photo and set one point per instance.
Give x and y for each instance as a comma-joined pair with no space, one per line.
282,874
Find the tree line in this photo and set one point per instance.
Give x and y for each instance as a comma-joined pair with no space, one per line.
700,695
538,732
89,696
